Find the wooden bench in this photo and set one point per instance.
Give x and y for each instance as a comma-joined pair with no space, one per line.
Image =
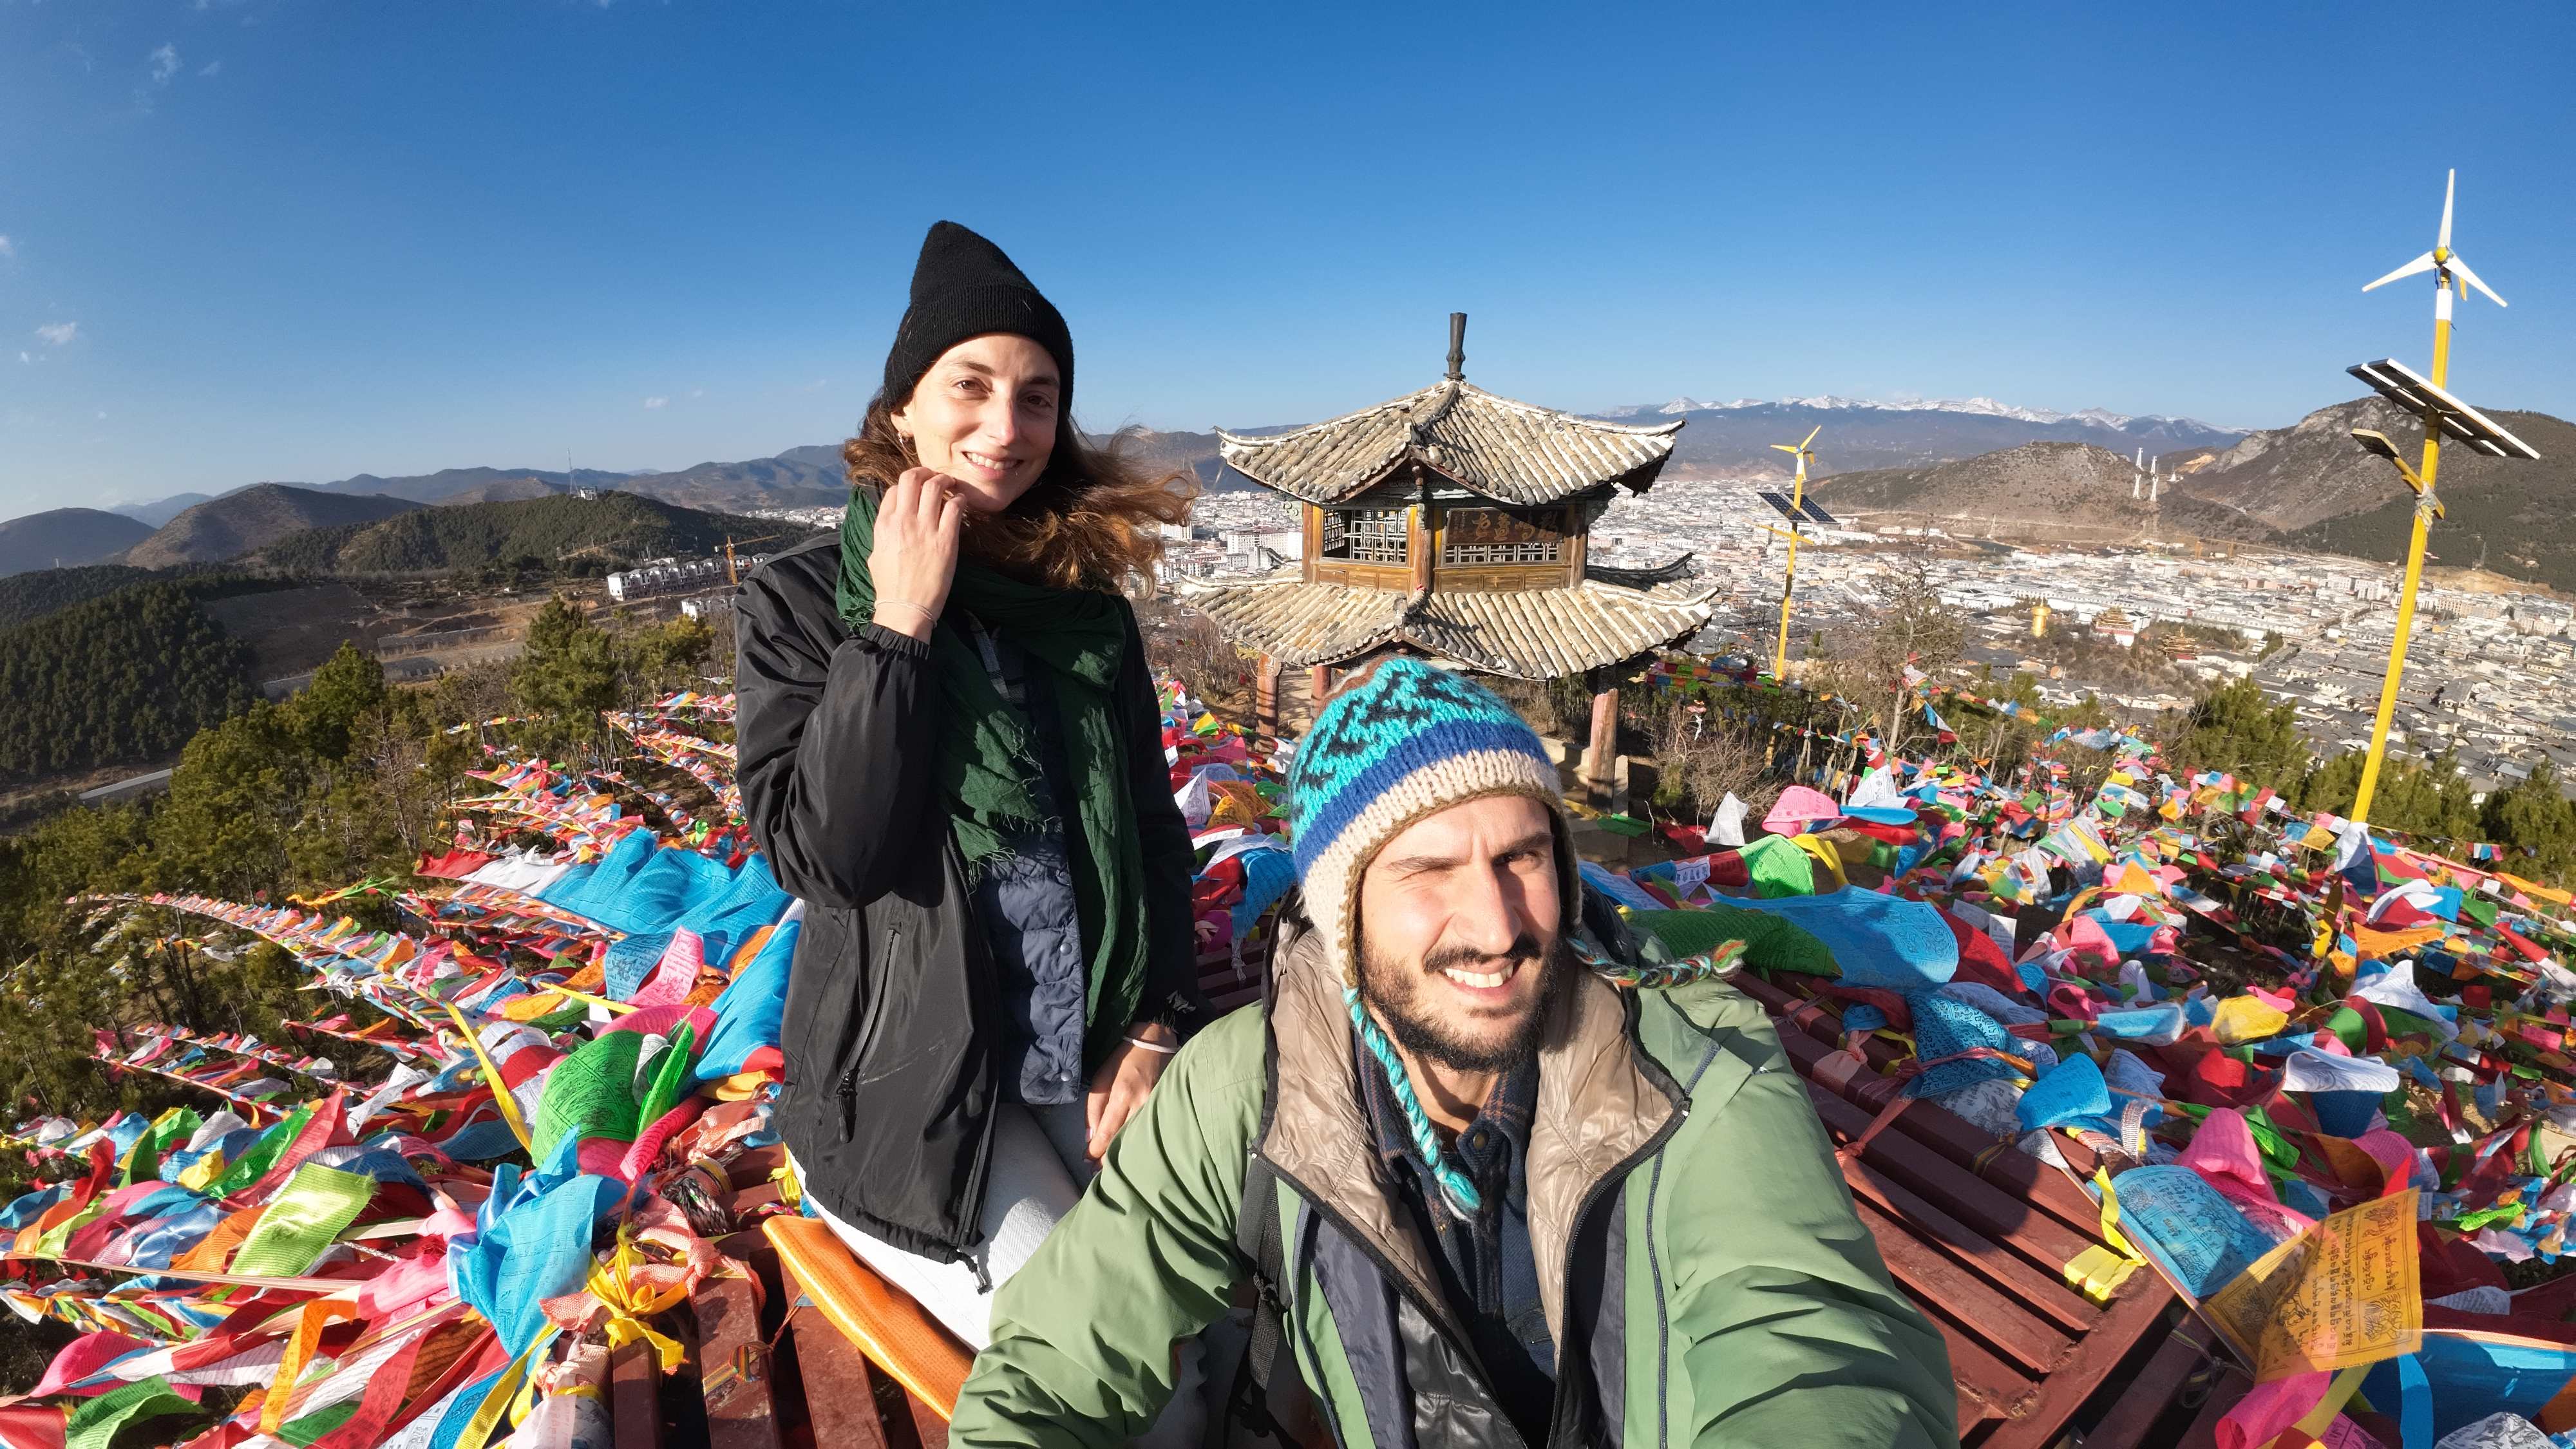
1977,1234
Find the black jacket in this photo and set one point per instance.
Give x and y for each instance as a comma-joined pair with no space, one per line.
891,1070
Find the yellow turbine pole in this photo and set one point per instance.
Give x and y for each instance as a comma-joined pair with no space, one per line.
1789,579
2425,504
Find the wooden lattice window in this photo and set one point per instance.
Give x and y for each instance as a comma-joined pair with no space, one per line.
1479,536
1365,535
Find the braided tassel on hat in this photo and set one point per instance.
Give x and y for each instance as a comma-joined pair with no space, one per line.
1455,1186
1719,961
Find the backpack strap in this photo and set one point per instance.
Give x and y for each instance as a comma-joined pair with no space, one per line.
1258,1245
1257,1240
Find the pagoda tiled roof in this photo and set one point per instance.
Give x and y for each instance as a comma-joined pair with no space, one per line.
1512,452
1529,634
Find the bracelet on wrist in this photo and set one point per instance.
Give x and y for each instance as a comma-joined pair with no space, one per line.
1152,1046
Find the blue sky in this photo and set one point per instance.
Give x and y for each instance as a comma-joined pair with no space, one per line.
295,239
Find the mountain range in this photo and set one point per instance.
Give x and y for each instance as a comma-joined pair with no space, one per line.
2307,486
1733,440
1968,459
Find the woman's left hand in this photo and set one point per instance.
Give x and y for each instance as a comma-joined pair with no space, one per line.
1123,1082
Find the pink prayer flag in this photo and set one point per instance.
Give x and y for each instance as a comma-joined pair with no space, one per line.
1798,807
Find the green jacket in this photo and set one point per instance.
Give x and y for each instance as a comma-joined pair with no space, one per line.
1702,1268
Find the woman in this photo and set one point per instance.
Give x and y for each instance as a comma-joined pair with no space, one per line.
951,752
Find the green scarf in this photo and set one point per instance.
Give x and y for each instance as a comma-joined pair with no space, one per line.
986,758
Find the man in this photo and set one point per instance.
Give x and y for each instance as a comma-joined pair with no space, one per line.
1497,1199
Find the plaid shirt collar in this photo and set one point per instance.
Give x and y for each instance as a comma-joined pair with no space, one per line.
1488,1147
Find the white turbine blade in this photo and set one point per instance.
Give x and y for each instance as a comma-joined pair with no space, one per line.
2424,263
2460,269
2449,189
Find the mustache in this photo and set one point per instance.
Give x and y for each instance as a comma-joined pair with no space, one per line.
1524,949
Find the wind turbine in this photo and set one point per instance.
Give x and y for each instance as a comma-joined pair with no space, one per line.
2442,413
1789,579
2451,276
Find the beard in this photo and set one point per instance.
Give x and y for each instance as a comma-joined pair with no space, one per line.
1396,992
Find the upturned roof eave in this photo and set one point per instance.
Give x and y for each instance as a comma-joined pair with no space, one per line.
1247,455
1330,623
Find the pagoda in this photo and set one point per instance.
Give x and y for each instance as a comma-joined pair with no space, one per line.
1451,523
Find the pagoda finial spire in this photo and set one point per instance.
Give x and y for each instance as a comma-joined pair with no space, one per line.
1457,347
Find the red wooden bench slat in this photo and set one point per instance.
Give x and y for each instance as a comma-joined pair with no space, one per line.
2125,1424
2051,1297
1989,1389
1932,1278
733,1366
634,1404
1989,1209
2139,1309
840,1389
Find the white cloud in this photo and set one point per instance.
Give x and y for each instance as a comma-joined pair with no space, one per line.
23,357
165,64
59,333
657,402
693,392
212,67
102,415
8,248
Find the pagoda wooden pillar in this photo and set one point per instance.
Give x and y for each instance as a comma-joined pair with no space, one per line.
1598,768
1265,693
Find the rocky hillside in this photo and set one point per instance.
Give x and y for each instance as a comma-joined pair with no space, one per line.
2036,487
238,523
2296,478
2513,517
65,536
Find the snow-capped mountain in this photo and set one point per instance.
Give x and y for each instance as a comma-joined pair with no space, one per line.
1732,439
1979,406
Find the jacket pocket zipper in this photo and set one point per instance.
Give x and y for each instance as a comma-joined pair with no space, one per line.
868,1022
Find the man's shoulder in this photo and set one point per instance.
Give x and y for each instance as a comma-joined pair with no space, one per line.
1226,1059
1679,1025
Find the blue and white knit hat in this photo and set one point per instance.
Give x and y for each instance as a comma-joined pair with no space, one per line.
1408,741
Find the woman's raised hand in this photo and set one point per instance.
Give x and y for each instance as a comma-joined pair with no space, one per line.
915,556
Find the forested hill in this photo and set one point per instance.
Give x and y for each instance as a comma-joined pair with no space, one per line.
39,592
564,533
123,678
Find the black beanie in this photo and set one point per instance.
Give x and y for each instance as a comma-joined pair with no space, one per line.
964,287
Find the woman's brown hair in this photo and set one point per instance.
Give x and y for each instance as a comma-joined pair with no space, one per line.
1092,516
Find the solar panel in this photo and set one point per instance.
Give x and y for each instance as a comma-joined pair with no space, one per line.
1779,503
1816,514
2416,393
